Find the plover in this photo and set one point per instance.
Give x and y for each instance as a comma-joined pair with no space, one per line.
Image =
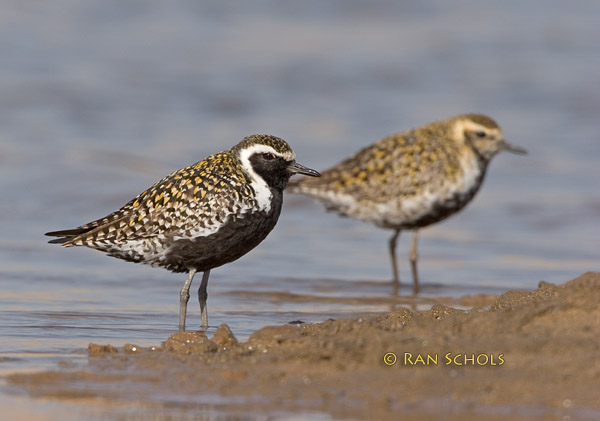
199,217
412,179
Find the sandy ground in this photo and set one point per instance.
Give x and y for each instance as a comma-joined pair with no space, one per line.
521,355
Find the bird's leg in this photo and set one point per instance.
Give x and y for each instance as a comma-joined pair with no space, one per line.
413,261
184,297
202,296
393,242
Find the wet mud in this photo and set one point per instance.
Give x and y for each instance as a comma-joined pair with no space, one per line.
522,354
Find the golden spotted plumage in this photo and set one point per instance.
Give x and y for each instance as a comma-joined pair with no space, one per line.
199,217
411,179
153,211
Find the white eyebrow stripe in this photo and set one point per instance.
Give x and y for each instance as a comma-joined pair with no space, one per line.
260,148
261,189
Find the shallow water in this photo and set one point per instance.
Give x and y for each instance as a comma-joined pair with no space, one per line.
101,99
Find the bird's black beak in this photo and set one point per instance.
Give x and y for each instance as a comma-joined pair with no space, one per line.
296,168
512,148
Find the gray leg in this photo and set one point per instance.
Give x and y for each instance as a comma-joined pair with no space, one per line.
413,261
184,296
393,242
202,296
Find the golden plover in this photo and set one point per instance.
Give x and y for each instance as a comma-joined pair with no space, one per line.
411,179
199,217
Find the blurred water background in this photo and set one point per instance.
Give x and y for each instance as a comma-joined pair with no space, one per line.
100,99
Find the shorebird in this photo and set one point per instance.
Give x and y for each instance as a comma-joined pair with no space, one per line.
412,179
199,217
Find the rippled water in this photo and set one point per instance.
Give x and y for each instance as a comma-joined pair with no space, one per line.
101,99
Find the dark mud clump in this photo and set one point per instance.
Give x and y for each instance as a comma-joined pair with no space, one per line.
529,355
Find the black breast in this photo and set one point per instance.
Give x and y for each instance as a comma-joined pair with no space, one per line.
236,237
443,209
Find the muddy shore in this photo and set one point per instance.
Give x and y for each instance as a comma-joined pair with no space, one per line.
522,354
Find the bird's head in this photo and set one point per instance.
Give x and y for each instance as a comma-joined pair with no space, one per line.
482,134
270,158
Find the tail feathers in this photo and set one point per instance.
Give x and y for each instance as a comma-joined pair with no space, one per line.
308,185
305,189
59,240
296,185
66,235
292,183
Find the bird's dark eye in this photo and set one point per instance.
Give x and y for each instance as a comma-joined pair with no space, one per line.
480,133
268,156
